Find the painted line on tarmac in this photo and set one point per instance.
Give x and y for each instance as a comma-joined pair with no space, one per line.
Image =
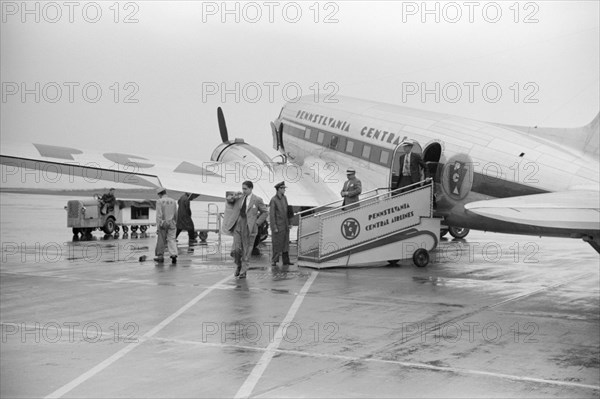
98,368
346,358
248,386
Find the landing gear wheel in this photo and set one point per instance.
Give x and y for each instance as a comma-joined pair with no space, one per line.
134,229
421,257
125,229
203,235
458,232
143,228
109,226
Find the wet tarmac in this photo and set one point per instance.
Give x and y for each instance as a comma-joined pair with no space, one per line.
491,316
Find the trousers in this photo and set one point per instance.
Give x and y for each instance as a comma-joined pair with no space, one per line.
166,238
243,242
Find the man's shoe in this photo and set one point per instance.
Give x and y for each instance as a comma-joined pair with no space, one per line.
273,264
242,275
288,264
159,259
173,259
237,271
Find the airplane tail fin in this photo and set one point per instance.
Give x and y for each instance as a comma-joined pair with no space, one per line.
585,138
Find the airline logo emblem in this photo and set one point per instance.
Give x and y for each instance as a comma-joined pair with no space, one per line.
350,228
457,178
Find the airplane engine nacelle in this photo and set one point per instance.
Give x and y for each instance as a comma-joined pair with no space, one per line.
454,179
242,152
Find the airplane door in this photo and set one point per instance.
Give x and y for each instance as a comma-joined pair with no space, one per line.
395,167
277,136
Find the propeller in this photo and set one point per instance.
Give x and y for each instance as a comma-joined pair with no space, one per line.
222,125
280,135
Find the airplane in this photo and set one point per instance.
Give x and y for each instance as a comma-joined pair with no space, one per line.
487,176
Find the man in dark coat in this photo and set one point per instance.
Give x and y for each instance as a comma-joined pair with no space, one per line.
108,202
280,226
410,167
184,217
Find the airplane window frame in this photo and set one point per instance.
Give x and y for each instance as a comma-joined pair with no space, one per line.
320,137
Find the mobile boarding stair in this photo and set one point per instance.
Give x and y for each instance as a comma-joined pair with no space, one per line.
387,226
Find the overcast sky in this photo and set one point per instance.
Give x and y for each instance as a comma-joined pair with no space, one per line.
158,73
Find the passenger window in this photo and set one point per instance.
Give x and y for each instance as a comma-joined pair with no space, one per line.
349,146
384,158
334,142
366,152
320,137
307,134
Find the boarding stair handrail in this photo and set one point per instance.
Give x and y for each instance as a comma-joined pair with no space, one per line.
368,199
319,215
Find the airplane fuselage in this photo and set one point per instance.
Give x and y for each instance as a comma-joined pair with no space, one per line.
469,160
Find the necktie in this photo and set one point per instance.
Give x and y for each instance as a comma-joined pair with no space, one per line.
243,208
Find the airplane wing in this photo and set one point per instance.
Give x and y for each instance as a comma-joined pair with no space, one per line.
61,165
305,188
578,209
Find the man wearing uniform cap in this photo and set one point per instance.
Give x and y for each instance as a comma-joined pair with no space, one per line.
166,226
410,167
280,214
352,189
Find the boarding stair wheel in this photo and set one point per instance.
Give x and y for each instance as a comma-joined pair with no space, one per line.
421,257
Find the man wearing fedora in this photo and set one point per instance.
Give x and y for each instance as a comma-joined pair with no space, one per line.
410,167
247,213
279,214
352,189
166,226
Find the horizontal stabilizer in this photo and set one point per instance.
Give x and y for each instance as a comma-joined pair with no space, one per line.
566,209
